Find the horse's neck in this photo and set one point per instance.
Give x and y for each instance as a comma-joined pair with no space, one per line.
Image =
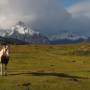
1,52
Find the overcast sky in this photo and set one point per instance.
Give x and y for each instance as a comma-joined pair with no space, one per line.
47,16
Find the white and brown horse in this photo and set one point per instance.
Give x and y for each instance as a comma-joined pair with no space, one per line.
4,58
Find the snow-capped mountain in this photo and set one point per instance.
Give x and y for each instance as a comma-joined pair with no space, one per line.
22,32
21,28
67,37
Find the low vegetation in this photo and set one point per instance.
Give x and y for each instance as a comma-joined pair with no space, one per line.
48,67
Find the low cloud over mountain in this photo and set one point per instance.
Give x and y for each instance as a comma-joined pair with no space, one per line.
47,16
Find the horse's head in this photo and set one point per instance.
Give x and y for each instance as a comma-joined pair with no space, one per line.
5,50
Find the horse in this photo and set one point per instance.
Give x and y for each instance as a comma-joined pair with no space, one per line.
4,59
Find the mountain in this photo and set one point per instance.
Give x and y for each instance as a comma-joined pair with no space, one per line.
67,37
11,41
23,33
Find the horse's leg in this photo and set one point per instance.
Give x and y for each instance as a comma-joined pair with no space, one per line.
5,69
1,65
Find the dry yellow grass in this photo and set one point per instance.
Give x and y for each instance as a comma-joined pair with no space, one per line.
48,67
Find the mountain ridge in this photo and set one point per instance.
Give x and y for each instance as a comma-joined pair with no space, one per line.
23,34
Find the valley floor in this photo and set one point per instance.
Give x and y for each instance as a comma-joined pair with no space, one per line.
48,67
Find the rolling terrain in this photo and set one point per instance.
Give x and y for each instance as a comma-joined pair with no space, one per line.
48,67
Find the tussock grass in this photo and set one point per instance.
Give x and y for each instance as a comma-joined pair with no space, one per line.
48,67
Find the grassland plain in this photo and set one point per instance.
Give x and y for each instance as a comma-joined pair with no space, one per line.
48,67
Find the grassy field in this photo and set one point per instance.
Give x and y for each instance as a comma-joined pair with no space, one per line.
47,67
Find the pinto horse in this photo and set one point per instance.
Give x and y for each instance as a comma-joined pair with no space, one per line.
4,58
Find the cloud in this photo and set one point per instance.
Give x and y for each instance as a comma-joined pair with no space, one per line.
81,8
47,16
80,22
79,25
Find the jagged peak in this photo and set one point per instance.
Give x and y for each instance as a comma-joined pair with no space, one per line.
22,28
20,23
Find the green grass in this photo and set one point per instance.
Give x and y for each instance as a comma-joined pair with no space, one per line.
48,67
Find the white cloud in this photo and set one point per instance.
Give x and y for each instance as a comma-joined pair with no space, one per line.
80,22
80,9
47,16
44,15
